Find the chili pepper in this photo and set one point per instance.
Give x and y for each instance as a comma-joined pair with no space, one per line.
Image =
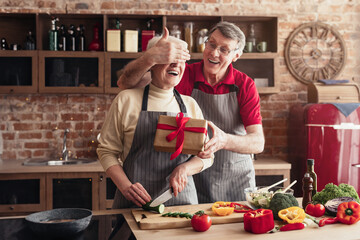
241,208
259,221
222,208
348,212
292,215
325,221
292,226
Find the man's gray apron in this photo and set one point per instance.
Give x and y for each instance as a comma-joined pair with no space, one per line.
150,168
231,172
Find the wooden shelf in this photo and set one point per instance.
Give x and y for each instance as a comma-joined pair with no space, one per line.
14,28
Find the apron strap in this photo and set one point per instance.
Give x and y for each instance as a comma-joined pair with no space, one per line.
176,94
180,101
232,88
145,98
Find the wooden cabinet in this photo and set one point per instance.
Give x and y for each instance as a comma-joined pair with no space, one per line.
71,72
25,189
47,71
22,192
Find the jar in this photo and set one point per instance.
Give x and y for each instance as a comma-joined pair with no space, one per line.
200,40
175,32
189,26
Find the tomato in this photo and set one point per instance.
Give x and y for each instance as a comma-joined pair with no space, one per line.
315,210
201,222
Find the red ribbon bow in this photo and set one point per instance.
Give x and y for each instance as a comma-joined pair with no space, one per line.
179,132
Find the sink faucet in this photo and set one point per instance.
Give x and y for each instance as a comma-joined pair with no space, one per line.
65,152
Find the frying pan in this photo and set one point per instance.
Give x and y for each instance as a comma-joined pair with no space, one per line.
59,222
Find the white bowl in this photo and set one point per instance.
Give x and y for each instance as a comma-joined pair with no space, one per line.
261,199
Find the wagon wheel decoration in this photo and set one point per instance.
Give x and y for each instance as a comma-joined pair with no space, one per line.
315,51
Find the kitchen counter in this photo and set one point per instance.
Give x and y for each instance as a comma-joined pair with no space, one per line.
236,231
16,166
221,231
263,166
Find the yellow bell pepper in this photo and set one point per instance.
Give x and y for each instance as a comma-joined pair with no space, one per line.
222,208
292,215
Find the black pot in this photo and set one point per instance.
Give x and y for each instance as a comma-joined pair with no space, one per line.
59,222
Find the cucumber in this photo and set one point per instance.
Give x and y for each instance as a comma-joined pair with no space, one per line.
158,209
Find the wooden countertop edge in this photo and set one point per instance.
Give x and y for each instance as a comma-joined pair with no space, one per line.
15,166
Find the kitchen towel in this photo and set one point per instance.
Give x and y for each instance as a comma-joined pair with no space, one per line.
332,82
346,108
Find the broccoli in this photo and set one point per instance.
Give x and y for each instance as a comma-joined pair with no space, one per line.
350,190
332,191
281,201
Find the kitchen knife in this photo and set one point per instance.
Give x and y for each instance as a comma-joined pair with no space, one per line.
162,198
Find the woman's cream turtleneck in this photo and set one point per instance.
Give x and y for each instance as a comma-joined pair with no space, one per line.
119,127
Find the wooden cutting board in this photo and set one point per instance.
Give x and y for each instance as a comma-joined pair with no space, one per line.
150,220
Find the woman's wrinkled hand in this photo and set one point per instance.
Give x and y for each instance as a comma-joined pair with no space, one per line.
178,179
137,194
217,142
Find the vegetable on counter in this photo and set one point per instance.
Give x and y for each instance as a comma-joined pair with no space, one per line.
176,214
222,208
259,221
292,215
348,212
332,191
333,204
326,221
281,201
316,210
158,209
239,208
292,226
201,222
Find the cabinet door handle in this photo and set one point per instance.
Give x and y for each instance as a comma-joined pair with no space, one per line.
12,207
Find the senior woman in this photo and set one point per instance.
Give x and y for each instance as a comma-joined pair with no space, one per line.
128,134
227,97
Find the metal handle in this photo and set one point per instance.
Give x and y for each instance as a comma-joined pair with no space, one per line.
356,165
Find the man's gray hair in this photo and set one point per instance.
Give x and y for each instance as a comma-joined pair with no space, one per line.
230,30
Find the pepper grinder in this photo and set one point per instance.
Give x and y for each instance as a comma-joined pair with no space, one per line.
307,189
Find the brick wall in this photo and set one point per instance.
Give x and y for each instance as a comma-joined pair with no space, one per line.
32,125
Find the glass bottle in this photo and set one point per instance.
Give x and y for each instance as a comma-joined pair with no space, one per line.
189,26
62,38
251,38
71,38
310,170
4,45
53,35
30,41
95,44
201,38
80,38
175,32
307,189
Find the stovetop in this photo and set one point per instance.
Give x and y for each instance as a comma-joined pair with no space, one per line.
17,229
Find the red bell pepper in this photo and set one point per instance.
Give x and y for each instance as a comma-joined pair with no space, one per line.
259,221
239,208
348,212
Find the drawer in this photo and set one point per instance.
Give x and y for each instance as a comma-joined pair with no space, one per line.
338,93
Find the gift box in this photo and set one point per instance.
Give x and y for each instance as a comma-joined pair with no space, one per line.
180,135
